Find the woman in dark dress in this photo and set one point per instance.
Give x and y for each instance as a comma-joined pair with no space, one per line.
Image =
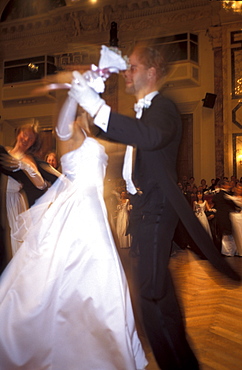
27,177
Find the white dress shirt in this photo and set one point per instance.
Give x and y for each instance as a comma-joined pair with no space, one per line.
101,120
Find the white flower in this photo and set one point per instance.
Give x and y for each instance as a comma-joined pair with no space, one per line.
111,60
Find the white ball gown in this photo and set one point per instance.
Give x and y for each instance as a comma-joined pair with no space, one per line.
200,209
64,300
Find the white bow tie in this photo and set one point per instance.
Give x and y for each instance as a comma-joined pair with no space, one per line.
142,103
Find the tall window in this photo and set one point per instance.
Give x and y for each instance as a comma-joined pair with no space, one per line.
236,64
182,47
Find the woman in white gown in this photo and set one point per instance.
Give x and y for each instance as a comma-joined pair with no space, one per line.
123,210
64,299
199,207
25,179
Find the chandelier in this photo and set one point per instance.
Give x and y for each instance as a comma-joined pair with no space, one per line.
235,6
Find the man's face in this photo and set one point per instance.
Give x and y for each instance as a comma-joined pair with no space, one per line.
136,76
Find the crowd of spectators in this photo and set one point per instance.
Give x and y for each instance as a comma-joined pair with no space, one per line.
191,191
190,188
197,194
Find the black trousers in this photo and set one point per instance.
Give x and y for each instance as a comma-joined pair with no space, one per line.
161,313
166,333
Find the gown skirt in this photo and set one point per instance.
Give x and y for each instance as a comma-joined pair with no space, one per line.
232,244
236,219
64,299
15,204
122,225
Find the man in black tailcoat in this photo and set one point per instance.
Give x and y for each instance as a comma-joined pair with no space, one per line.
156,134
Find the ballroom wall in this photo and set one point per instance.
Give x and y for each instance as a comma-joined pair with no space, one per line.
73,31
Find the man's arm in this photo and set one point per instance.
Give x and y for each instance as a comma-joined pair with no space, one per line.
154,131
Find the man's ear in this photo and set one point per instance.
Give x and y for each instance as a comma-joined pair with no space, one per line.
152,73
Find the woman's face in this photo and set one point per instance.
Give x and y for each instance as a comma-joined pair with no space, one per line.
25,139
51,159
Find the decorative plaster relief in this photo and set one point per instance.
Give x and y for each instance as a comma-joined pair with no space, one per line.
236,66
220,147
237,115
215,36
99,18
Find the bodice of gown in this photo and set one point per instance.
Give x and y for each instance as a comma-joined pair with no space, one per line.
86,166
199,208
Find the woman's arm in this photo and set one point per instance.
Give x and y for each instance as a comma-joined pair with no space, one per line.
27,165
71,122
64,128
207,208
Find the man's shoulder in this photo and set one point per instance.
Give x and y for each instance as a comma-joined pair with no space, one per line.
161,99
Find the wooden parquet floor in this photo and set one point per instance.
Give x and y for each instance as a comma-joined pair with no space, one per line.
212,310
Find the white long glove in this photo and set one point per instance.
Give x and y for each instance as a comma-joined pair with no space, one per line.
35,175
64,128
84,95
13,164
